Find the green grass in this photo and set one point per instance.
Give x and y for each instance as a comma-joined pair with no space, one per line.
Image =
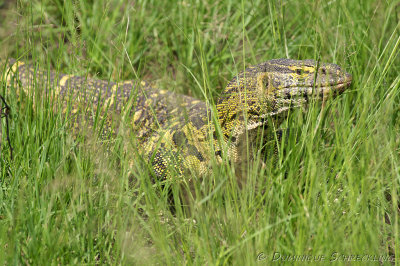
71,202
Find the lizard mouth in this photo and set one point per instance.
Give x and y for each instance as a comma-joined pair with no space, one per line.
343,84
332,89
306,92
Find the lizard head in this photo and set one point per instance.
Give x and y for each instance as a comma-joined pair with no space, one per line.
275,86
285,83
272,88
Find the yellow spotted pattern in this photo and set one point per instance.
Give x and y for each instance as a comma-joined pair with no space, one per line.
176,132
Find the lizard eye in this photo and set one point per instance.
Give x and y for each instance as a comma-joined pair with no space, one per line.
298,71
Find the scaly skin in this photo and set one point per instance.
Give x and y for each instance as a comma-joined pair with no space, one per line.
178,131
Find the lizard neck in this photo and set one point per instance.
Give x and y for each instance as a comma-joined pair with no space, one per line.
239,123
238,110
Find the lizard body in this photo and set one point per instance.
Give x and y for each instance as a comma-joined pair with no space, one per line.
178,131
